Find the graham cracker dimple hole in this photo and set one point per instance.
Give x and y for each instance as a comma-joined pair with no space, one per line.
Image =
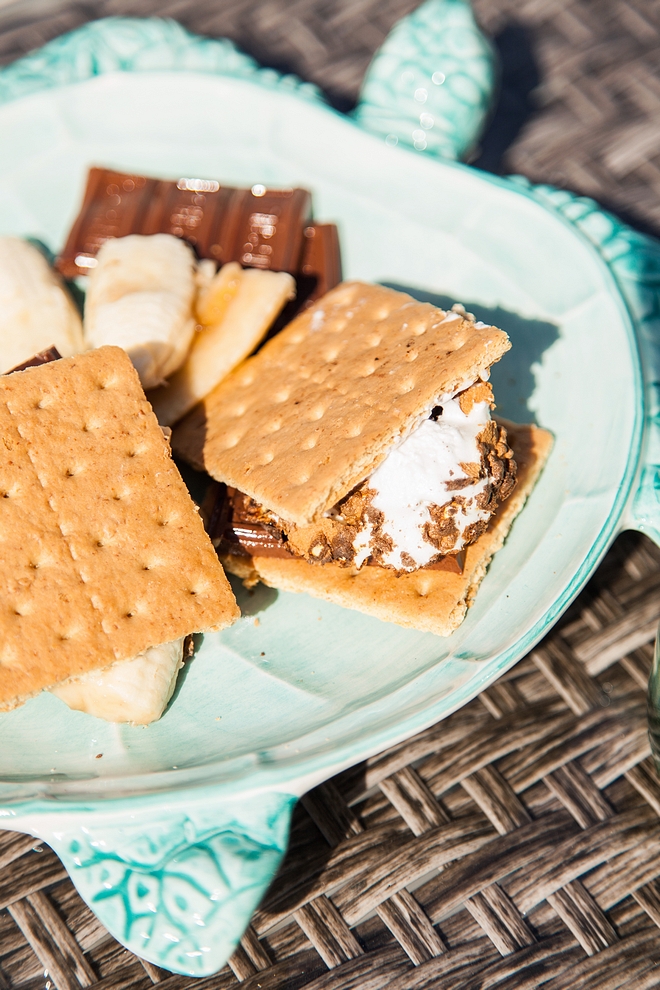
273,426
372,340
109,382
411,355
267,457
308,443
315,413
423,585
418,329
238,410
231,440
407,385
44,402
282,395
92,424
331,354
141,448
366,370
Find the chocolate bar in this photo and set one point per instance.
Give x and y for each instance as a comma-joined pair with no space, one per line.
320,271
43,357
258,227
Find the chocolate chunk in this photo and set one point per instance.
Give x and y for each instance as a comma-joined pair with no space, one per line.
321,259
43,357
191,209
115,204
235,527
262,228
454,563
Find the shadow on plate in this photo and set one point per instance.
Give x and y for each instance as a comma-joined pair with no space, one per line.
513,377
251,601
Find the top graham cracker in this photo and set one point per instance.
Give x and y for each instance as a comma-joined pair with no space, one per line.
315,411
103,551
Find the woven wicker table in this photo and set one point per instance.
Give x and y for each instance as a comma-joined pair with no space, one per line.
517,843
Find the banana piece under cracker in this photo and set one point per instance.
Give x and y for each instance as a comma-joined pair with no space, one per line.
238,307
36,311
135,690
140,297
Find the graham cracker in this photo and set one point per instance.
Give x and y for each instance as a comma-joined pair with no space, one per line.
314,412
429,600
104,553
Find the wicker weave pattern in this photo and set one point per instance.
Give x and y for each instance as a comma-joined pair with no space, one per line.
584,75
596,129
515,844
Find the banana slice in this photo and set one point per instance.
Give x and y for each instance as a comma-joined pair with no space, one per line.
140,297
36,312
236,310
135,690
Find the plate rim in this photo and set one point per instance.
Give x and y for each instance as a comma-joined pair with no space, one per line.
261,777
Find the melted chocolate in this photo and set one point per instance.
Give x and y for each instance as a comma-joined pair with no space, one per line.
235,528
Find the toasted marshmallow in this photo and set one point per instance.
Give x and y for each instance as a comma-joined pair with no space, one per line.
433,492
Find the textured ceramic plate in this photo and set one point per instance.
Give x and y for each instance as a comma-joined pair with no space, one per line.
313,678
309,688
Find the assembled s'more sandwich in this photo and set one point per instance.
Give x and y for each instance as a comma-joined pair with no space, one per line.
360,459
106,565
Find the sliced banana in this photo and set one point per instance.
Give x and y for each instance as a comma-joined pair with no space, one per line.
236,310
36,311
140,297
135,690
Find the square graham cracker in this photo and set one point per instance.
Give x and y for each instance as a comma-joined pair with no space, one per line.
103,551
298,425
430,600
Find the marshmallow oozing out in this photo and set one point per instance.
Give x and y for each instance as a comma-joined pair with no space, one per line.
428,470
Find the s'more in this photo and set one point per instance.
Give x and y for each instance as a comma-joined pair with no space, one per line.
107,568
359,461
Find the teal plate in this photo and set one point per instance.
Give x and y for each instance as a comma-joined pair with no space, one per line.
173,835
